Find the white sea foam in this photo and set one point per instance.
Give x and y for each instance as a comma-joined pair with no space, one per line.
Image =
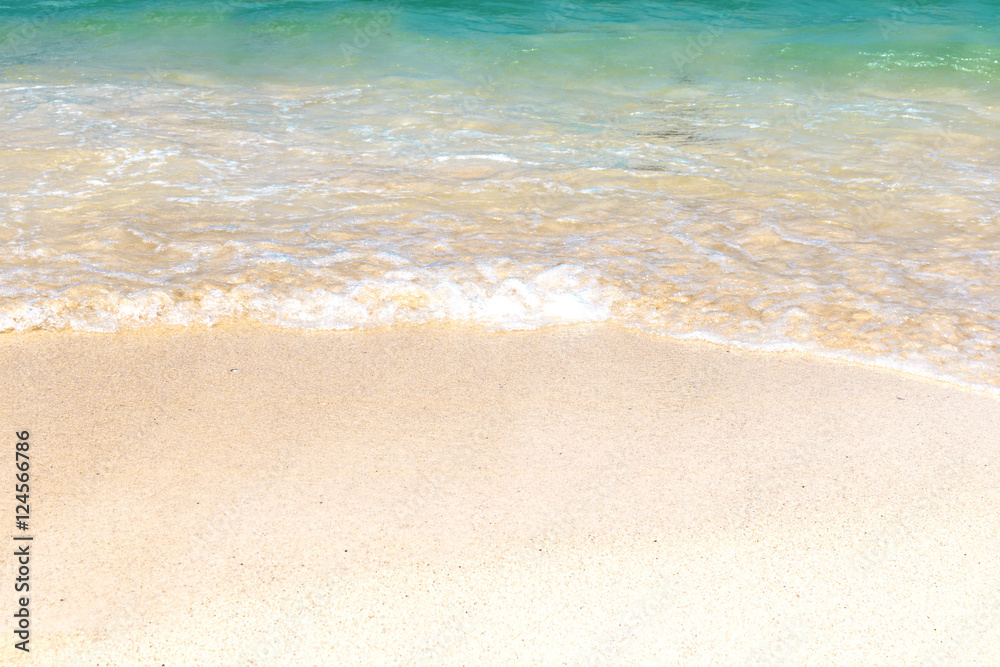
693,217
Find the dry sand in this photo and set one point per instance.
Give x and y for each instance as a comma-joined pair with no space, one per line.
582,495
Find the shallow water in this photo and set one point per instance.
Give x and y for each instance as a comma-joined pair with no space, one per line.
820,176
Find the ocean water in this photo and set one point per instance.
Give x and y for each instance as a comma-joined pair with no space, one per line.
813,175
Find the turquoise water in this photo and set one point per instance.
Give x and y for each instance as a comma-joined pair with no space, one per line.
817,176
919,42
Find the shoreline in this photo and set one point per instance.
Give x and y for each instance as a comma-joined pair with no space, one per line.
436,494
252,328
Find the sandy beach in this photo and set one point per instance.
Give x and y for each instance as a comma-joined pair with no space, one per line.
579,495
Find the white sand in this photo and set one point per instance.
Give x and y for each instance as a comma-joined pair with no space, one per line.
443,496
